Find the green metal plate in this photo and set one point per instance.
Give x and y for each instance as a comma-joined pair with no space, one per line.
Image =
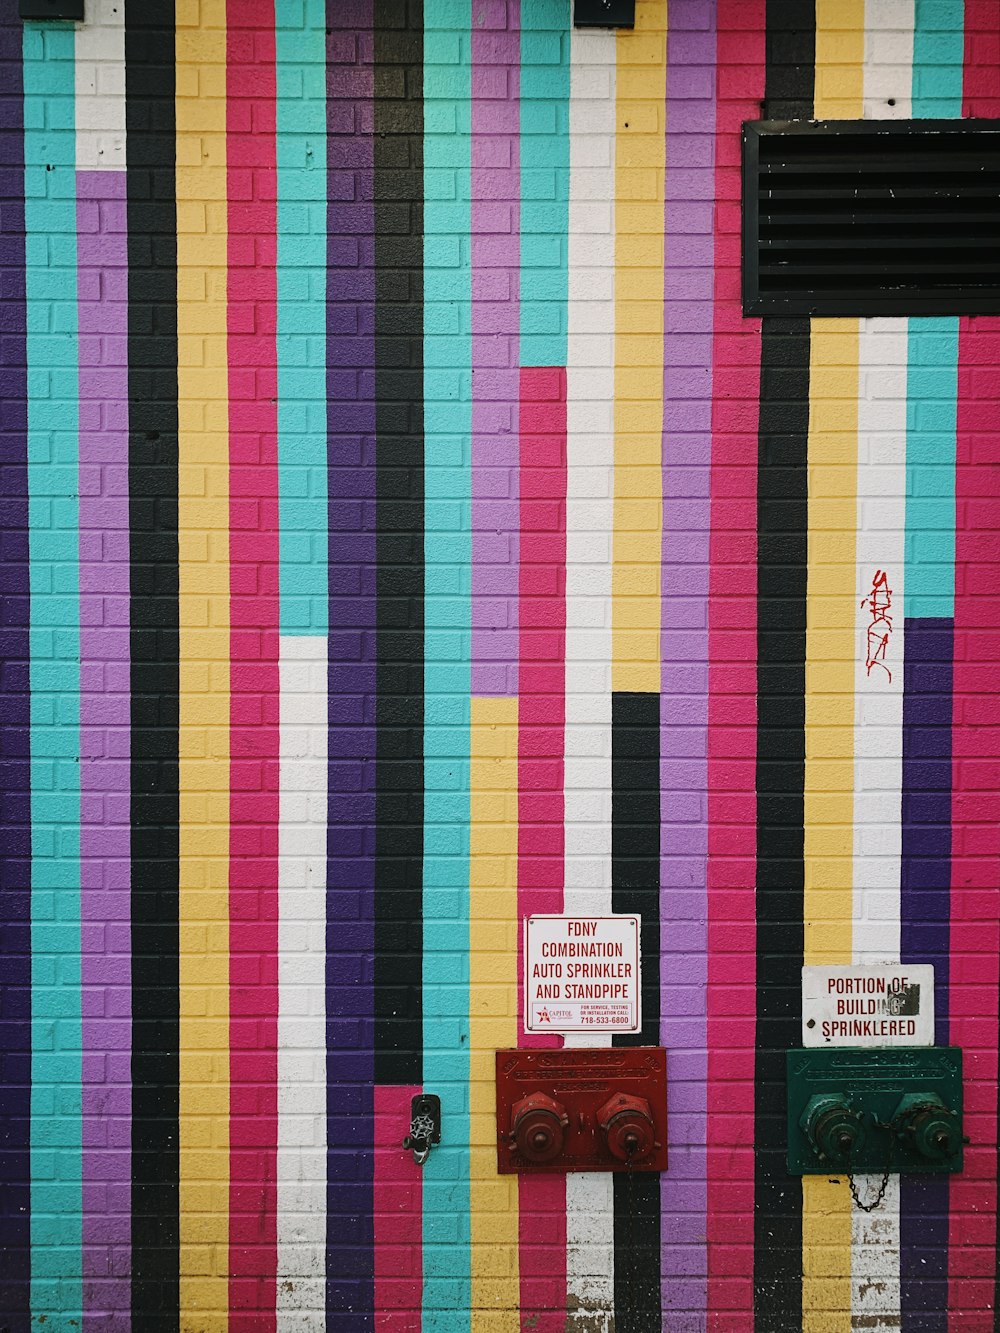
875,1081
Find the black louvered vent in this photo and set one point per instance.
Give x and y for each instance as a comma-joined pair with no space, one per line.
868,217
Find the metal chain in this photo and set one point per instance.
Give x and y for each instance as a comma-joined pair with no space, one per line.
870,1207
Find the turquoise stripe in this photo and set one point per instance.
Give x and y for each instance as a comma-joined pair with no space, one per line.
53,520
545,37
447,657
938,58
302,482
932,375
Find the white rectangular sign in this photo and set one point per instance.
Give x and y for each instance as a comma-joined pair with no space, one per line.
887,1005
581,974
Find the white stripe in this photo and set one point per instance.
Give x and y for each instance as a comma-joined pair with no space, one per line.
589,523
888,59
878,701
100,87
301,1167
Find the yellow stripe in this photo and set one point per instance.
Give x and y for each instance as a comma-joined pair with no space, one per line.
493,1011
203,534
840,59
638,413
830,648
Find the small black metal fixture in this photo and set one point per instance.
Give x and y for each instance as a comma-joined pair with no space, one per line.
604,14
425,1126
50,9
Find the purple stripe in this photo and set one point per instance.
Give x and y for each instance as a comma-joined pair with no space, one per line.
15,783
687,456
105,777
925,879
496,257
350,1292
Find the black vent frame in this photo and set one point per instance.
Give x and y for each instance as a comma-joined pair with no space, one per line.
871,217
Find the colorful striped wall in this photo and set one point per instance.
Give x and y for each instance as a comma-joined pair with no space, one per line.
403,532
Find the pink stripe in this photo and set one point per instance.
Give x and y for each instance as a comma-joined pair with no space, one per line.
975,883
254,679
496,258
732,809
975,880
541,722
105,843
398,1209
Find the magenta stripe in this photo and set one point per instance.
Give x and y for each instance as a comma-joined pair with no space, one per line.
496,177
104,741
687,423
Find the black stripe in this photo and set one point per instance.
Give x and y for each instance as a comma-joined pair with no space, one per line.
782,519
399,518
635,888
152,356
15,711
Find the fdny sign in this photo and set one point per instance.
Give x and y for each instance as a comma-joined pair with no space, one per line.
888,1005
581,974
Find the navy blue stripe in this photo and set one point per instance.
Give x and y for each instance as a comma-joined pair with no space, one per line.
350,1287
925,879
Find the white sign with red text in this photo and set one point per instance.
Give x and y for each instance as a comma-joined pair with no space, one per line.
888,1005
581,974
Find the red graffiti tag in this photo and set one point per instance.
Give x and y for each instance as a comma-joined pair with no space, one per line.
878,602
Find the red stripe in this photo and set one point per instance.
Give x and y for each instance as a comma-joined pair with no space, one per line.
254,684
398,1210
732,807
975,883
541,719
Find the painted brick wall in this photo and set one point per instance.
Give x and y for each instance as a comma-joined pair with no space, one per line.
403,531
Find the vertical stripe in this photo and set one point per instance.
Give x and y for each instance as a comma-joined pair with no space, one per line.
732,703
544,161
495,257
203,543
878,719
541,722
300,151
15,704
396,1207
781,649
878,692
447,149
687,455
975,877
100,88
492,1024
254,668
924,878
350,359
638,349
301,148
153,496
104,661
635,871
590,1254
928,608
975,807
53,453
399,539
828,791
104,740
301,1158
